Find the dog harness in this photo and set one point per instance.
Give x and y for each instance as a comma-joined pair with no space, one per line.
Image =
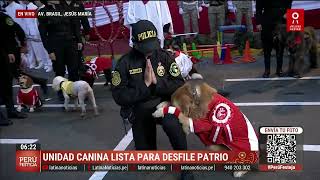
67,87
223,124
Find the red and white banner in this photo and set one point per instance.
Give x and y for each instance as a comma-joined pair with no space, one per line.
295,20
148,157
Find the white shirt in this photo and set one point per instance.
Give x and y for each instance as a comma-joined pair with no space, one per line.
155,11
32,23
184,63
11,11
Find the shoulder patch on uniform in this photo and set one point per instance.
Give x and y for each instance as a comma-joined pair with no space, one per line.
135,71
116,79
9,21
160,70
174,70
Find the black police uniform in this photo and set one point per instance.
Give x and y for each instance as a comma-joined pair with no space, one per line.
129,89
8,45
269,13
60,35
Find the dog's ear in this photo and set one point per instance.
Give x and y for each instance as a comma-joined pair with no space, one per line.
29,81
306,35
205,88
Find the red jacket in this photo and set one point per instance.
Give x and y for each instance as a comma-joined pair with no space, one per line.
31,98
225,124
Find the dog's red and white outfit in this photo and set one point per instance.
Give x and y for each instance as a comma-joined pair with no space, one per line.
28,97
224,124
101,63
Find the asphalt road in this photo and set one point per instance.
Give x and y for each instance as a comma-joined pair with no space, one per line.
58,130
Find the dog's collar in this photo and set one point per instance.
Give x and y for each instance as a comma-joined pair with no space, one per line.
61,84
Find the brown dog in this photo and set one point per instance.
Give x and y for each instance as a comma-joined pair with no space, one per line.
218,123
299,45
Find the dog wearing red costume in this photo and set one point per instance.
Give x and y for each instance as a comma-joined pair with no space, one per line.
217,121
27,95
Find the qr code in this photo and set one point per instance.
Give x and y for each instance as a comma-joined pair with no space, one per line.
281,149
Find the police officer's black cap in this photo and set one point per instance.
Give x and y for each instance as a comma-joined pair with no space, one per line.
144,36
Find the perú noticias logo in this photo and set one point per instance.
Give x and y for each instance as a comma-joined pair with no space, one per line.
295,20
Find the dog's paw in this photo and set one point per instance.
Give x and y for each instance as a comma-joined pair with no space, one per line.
83,114
66,109
31,109
186,129
163,104
96,112
158,113
239,174
19,108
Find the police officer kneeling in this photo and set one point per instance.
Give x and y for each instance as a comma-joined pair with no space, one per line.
144,77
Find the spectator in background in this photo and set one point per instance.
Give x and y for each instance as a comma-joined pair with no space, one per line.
268,15
217,15
11,8
8,47
21,46
244,8
61,38
155,11
36,52
189,9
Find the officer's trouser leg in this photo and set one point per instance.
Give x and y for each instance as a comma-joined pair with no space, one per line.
59,64
72,61
239,15
194,20
6,83
144,129
107,75
173,129
249,19
212,22
267,41
186,21
279,54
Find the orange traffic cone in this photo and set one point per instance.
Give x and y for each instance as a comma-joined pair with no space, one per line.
247,57
228,58
216,59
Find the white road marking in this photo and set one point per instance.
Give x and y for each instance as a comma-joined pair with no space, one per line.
279,104
313,148
123,144
51,106
272,79
17,141
247,104
49,85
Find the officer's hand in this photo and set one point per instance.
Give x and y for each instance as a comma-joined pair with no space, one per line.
200,9
80,46
12,58
181,11
259,27
154,78
52,56
148,74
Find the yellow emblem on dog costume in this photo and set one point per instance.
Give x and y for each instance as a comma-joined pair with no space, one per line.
67,87
160,70
174,70
116,79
